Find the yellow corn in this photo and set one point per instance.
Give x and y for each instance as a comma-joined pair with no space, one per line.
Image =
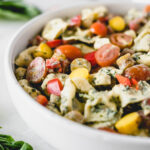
80,72
128,124
117,23
43,50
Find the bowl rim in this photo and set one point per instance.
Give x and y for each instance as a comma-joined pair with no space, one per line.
73,126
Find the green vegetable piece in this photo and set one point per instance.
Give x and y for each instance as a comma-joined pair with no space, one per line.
8,143
17,10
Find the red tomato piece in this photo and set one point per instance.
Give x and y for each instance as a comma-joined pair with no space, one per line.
99,28
36,70
76,21
54,86
138,72
107,55
123,80
54,43
121,40
52,63
71,52
147,9
91,58
41,99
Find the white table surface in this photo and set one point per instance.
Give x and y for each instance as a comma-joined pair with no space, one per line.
9,118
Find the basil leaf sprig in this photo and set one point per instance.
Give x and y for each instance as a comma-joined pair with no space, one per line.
8,143
17,10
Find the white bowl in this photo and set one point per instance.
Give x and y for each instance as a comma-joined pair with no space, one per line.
56,130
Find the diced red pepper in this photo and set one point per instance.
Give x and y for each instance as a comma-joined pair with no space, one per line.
76,21
52,63
91,58
54,43
42,100
123,80
54,86
134,82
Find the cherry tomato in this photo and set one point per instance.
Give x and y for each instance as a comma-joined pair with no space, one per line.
108,129
138,72
76,21
147,9
42,100
54,86
121,40
99,29
54,43
91,58
36,70
107,55
71,52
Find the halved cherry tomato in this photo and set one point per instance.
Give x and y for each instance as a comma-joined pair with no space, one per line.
41,99
138,72
99,29
147,9
54,86
91,58
71,52
108,129
107,55
76,21
121,40
123,80
54,43
36,70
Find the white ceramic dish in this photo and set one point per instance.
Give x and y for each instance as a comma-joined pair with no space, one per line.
62,133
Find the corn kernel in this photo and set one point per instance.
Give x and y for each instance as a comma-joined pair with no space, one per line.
80,72
128,124
117,23
43,50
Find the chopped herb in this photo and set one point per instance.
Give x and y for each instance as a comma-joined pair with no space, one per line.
97,108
